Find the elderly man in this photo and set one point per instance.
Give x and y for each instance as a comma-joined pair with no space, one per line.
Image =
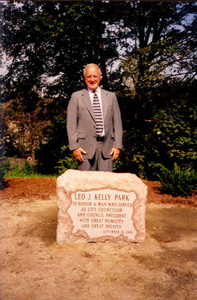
94,124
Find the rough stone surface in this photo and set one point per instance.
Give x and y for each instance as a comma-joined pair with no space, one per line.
100,206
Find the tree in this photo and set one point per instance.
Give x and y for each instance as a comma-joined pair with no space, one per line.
53,40
175,126
25,122
48,42
160,44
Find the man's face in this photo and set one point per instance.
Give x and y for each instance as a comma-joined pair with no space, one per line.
92,77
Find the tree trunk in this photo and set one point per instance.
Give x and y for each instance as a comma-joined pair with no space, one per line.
101,51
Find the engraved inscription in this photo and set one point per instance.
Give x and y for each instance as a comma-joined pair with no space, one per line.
102,213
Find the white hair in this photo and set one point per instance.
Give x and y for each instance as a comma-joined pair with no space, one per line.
91,65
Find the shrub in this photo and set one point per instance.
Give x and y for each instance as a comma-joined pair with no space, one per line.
66,162
132,158
4,165
17,171
52,150
177,182
175,133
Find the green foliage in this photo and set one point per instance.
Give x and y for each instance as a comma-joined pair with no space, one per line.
46,43
177,182
24,124
16,171
170,136
4,165
67,162
133,154
51,151
50,35
43,40
152,59
175,130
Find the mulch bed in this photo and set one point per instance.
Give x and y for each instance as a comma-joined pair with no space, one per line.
45,188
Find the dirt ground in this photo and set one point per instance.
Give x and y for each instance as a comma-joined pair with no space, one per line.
33,266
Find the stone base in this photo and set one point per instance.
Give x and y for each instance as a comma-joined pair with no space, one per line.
100,206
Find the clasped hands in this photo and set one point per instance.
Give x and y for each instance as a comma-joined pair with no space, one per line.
77,153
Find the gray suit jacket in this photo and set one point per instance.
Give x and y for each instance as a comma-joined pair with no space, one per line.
81,125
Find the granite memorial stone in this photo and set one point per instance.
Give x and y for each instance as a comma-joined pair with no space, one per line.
100,206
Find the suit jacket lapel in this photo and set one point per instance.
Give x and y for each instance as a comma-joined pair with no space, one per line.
104,102
87,101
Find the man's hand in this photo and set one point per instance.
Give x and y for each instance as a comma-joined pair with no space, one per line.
115,152
77,153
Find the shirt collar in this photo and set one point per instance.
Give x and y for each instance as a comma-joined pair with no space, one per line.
97,90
